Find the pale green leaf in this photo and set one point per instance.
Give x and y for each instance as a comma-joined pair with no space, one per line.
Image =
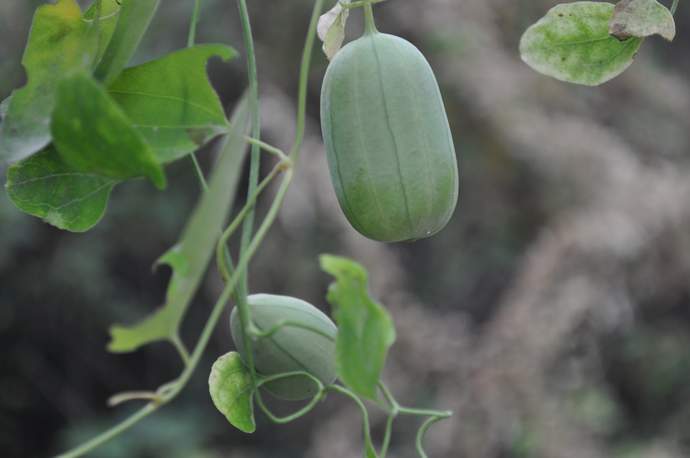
365,329
190,257
171,102
133,20
572,43
230,386
44,186
92,134
57,46
642,18
331,29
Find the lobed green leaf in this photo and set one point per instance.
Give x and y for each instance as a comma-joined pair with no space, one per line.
43,185
93,135
572,43
230,386
365,329
642,18
171,101
190,257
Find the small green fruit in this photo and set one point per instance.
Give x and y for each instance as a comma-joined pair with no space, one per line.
290,349
390,149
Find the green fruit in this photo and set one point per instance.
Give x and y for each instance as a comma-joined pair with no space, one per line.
390,149
290,349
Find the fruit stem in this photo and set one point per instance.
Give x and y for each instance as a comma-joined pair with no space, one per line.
369,22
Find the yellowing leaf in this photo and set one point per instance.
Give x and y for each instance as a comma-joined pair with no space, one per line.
57,46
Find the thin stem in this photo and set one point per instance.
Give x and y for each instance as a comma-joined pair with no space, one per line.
181,348
101,439
365,414
388,433
222,256
268,148
369,22
674,7
191,39
254,167
422,432
127,396
301,412
191,36
304,80
425,412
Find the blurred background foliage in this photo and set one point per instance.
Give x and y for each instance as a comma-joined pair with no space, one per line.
552,314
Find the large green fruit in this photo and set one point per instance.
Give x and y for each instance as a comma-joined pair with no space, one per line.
390,149
290,349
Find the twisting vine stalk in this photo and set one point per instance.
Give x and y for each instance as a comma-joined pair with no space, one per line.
191,39
174,388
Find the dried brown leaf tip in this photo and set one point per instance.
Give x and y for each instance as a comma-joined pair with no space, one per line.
642,18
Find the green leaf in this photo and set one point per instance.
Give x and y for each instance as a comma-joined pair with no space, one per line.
190,257
92,134
110,12
57,46
365,329
44,186
171,101
331,29
134,18
572,43
230,386
642,18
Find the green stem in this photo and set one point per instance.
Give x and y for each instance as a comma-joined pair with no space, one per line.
97,441
422,432
388,433
365,414
222,256
181,348
369,22
191,39
301,412
268,148
674,7
304,80
254,167
191,36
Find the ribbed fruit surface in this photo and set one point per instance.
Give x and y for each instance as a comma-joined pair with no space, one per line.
290,349
389,145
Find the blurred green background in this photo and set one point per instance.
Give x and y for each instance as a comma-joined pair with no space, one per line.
552,314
